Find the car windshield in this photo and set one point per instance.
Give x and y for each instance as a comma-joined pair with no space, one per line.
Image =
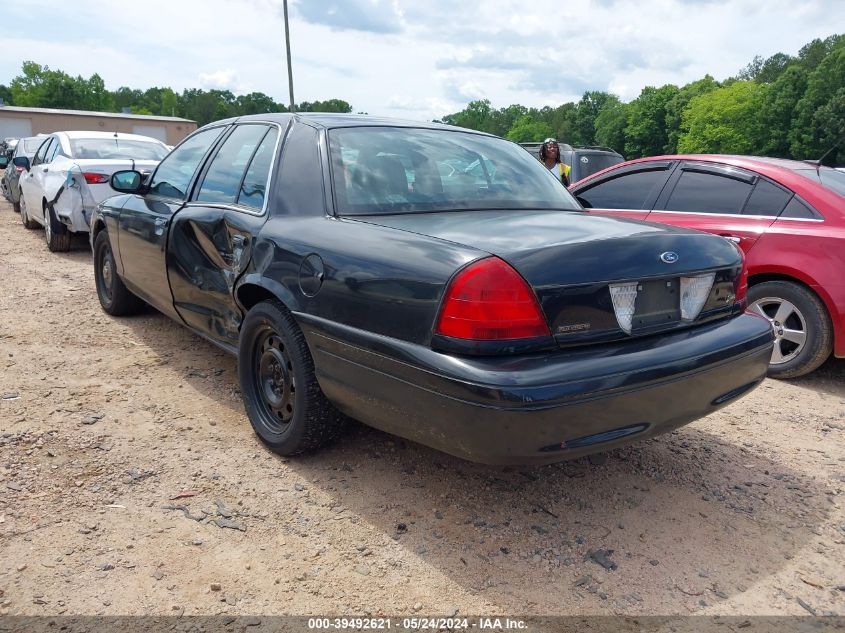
590,163
116,148
830,178
382,170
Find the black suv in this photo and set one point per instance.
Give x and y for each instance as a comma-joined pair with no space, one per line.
583,161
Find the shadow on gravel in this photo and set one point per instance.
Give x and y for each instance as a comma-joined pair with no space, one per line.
829,378
688,516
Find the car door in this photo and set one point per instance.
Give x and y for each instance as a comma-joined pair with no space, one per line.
629,191
722,199
144,220
31,180
211,237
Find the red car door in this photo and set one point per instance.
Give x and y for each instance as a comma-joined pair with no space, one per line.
629,191
734,203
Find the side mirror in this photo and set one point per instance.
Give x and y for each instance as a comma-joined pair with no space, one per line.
126,181
21,161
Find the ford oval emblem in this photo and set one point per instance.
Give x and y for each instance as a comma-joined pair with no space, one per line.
669,257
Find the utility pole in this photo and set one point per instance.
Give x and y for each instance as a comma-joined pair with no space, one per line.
290,69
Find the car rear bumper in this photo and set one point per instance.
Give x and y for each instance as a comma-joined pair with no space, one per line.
545,407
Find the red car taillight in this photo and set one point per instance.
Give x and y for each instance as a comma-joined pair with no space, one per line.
488,300
93,178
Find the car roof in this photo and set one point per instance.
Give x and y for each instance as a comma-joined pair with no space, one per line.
331,120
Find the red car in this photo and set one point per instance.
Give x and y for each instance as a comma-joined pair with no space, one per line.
788,217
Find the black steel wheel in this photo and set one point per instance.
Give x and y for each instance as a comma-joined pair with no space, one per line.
283,400
115,298
803,334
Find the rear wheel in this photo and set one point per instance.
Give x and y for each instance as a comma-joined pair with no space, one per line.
283,400
803,335
56,233
30,224
114,296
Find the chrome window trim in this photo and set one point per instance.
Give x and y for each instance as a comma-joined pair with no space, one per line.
739,215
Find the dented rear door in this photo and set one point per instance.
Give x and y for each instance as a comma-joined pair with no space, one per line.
210,239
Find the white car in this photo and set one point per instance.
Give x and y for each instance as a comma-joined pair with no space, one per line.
69,176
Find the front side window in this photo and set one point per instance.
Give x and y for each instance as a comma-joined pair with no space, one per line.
411,170
701,192
174,174
222,180
630,191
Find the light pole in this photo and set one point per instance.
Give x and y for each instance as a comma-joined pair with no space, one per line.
290,70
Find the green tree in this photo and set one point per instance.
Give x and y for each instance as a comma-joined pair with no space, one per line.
675,108
812,130
332,105
586,111
777,111
645,134
527,130
724,121
476,116
611,122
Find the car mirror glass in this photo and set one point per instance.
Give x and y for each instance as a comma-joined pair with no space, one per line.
128,181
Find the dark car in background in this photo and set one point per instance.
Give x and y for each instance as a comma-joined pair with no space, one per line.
7,148
788,217
433,282
583,161
10,183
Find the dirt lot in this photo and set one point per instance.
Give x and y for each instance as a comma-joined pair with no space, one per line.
131,483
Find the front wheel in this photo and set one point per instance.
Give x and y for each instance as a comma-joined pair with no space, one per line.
115,298
803,334
283,400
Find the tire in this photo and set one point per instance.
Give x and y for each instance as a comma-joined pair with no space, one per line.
56,233
115,298
283,400
803,334
30,224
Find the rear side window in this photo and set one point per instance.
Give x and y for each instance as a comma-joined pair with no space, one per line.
766,199
796,209
700,192
175,172
630,191
254,187
222,180
39,155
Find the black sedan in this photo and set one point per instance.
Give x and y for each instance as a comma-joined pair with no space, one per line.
433,282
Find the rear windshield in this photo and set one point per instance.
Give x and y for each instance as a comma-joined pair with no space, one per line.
590,163
379,170
830,178
28,146
116,148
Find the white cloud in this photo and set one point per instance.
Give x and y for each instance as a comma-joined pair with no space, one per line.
411,59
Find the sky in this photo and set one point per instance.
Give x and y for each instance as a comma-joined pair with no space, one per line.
414,60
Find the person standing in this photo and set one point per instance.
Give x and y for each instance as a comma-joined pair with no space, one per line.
550,157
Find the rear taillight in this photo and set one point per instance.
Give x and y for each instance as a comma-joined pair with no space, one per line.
488,300
741,284
93,178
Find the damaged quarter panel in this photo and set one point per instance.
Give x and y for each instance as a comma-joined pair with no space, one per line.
211,238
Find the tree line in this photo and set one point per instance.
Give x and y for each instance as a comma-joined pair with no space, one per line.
43,87
784,106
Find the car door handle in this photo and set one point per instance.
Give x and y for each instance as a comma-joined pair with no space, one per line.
238,240
732,238
44,169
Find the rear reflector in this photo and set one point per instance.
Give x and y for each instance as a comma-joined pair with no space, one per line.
694,292
488,300
93,178
624,297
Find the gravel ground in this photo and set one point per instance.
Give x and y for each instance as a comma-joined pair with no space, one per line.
131,483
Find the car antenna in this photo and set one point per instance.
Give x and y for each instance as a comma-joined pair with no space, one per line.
818,163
